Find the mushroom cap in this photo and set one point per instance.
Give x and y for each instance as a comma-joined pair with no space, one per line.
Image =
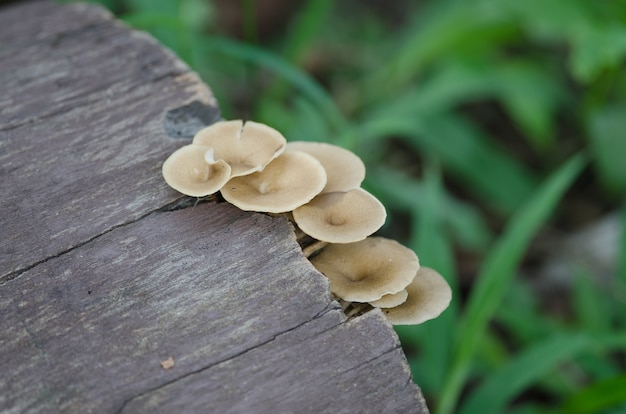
247,148
345,170
429,295
288,182
391,300
341,217
188,171
368,269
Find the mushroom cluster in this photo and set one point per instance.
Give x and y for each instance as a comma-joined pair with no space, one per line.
318,186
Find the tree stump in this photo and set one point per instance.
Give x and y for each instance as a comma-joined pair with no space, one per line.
117,294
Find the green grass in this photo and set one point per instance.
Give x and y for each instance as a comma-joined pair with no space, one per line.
469,118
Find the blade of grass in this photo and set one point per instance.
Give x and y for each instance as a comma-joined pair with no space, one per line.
526,89
432,245
446,28
305,27
298,79
465,152
431,242
300,121
250,31
606,139
597,397
621,276
522,317
302,31
406,193
590,304
497,271
493,395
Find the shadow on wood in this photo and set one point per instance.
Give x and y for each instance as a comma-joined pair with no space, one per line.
114,295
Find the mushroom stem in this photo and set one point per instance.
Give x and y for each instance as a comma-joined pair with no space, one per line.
356,309
313,248
344,304
299,233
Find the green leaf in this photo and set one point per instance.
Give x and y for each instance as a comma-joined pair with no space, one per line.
433,247
442,30
431,243
553,20
498,270
521,317
590,303
298,79
405,193
532,96
529,92
608,144
451,85
597,397
301,121
306,25
598,47
503,182
493,395
621,271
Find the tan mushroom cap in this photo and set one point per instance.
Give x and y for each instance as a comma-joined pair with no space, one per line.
288,182
344,169
367,270
247,148
341,217
391,300
187,170
429,295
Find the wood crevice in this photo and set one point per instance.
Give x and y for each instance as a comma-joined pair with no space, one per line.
4,279
328,309
396,348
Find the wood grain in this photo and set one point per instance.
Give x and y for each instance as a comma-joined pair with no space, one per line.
81,128
105,272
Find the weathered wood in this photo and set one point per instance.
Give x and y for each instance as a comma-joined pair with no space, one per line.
105,274
81,128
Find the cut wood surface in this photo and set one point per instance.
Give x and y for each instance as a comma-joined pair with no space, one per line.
118,295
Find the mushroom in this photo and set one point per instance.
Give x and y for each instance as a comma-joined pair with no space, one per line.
429,295
193,171
247,148
288,182
368,269
341,217
344,169
391,300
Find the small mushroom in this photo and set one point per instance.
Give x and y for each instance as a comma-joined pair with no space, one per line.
429,295
344,169
247,148
288,182
193,171
341,217
391,300
367,270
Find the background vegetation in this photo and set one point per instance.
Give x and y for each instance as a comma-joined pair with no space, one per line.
493,131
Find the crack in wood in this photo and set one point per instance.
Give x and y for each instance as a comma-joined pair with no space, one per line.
190,202
18,272
328,309
396,348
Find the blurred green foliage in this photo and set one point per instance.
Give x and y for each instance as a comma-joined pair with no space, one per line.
474,118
